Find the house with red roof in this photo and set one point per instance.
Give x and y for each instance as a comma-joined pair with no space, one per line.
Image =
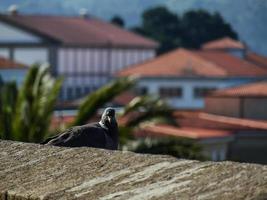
12,71
183,77
244,101
85,50
221,137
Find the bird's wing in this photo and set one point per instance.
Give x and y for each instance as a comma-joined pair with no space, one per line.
90,135
50,138
67,138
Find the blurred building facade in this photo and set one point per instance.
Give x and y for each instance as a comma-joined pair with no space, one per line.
85,50
245,101
184,77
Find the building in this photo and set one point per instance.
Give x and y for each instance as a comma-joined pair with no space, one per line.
245,101
221,137
183,77
83,49
12,71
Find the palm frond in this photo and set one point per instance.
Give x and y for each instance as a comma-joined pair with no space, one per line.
150,109
8,98
35,104
100,97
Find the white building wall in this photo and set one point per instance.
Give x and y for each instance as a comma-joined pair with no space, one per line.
93,67
187,100
11,34
32,55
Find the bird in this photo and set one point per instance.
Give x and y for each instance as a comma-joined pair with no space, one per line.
102,134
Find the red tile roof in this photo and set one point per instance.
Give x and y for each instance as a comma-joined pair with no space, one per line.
256,59
195,125
258,89
223,43
211,121
187,132
9,64
123,98
78,31
186,63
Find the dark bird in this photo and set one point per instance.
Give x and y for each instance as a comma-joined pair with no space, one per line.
103,134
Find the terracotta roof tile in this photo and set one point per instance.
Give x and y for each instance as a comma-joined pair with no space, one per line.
232,65
186,63
256,59
258,89
211,121
187,132
78,31
123,98
9,64
223,43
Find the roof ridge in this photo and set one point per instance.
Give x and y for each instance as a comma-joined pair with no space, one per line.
137,65
209,61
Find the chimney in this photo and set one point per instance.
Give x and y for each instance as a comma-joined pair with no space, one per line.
83,12
13,9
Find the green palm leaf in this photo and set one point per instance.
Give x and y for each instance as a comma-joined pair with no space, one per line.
8,98
35,104
102,96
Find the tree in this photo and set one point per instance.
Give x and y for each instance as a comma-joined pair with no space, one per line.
161,25
28,110
200,27
191,30
117,20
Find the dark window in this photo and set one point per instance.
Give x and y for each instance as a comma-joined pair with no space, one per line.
87,90
78,92
69,93
200,92
170,92
141,91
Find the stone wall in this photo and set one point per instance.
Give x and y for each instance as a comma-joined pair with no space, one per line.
30,171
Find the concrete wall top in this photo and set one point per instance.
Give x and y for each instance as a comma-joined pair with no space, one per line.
30,171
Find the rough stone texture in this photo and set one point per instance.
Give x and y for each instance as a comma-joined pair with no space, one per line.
30,171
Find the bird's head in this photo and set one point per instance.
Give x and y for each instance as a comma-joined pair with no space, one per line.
108,118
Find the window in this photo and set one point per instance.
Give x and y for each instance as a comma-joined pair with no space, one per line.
69,93
142,91
78,92
170,92
200,92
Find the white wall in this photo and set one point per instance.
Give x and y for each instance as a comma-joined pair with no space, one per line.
187,101
11,34
92,67
30,56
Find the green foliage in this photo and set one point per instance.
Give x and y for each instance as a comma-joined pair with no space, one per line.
31,111
100,97
200,27
1,81
177,147
163,26
191,30
8,98
150,109
117,20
